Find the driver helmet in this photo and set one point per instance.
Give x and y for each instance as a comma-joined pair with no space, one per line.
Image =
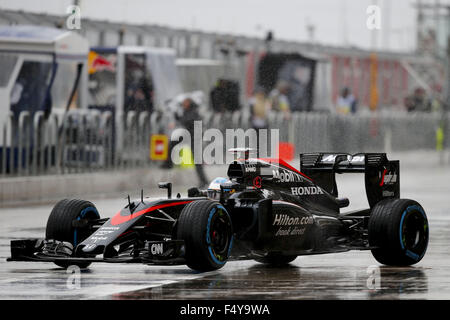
214,187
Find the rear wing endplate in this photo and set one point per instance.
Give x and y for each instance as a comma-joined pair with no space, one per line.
382,176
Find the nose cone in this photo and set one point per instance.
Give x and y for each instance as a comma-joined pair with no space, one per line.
92,249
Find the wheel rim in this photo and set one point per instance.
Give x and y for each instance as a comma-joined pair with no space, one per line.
219,234
80,235
414,232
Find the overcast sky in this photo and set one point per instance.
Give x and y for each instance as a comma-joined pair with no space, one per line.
337,22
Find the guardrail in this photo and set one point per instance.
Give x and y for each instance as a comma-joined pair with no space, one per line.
86,141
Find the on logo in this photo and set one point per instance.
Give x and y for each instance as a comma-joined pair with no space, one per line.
374,19
156,248
74,19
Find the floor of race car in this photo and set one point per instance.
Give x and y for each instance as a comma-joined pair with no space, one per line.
350,275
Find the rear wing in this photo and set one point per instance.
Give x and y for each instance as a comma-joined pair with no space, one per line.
382,176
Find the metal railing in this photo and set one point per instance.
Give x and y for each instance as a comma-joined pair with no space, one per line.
87,141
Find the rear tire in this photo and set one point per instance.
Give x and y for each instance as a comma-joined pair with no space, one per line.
398,228
59,224
276,260
205,226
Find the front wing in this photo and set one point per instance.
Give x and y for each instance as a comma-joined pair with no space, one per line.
169,252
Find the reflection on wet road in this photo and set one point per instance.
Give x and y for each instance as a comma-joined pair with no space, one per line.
293,282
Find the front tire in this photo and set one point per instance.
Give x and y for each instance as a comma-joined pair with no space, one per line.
398,231
205,226
60,228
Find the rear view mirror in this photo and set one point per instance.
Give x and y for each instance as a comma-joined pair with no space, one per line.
168,186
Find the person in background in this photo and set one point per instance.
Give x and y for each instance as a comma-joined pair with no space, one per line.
217,97
418,101
224,97
259,109
346,102
186,118
280,100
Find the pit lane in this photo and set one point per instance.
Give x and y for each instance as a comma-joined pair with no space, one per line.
350,275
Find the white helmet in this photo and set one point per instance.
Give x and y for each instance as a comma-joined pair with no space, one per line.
215,184
214,187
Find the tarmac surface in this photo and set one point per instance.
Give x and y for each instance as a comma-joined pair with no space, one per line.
350,275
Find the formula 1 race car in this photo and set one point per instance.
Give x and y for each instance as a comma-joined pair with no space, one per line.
266,210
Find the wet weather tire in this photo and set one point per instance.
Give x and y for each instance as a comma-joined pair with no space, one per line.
277,260
398,229
60,228
206,228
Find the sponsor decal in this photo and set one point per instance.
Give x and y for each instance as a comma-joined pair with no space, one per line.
291,226
103,231
102,234
295,231
332,158
267,193
156,248
388,193
97,238
250,168
287,220
388,178
257,182
304,191
286,176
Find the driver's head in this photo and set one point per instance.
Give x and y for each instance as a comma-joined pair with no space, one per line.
214,187
283,86
187,103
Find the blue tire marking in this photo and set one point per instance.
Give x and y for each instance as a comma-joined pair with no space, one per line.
412,255
408,209
81,215
208,238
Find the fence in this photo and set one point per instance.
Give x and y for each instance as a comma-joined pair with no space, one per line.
87,141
